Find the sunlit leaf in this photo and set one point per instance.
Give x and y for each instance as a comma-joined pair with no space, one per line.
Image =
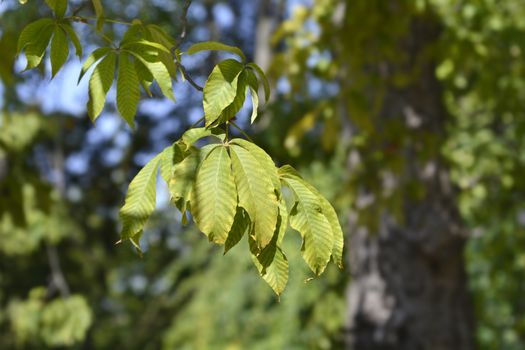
99,85
214,198
128,93
140,201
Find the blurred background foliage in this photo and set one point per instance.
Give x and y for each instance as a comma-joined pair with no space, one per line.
65,284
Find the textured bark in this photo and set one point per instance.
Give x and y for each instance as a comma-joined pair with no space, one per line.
408,287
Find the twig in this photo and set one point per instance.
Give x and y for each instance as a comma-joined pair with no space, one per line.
197,122
240,130
184,22
187,76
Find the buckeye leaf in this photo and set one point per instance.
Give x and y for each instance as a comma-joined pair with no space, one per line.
230,111
99,85
73,37
253,85
263,77
159,72
215,46
59,50
308,218
193,135
220,89
256,193
36,49
276,274
92,59
31,31
128,93
328,211
263,158
140,201
214,198
241,223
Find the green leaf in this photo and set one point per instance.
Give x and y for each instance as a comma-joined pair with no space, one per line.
215,46
140,201
159,35
220,89
230,111
329,212
184,175
36,49
99,85
253,84
195,134
214,199
276,274
264,79
73,37
171,156
145,76
241,223
142,42
264,159
159,71
128,93
308,218
99,10
59,7
256,193
31,32
59,50
92,59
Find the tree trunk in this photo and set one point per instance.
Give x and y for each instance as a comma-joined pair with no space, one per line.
408,287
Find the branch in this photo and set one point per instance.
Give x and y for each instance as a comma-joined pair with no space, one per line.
187,76
57,276
184,22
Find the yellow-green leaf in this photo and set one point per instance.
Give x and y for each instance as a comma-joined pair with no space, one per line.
214,198
140,201
128,92
92,59
263,77
308,218
73,37
99,85
220,89
256,193
31,32
241,223
253,84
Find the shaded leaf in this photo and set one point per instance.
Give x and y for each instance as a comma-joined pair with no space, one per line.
59,50
241,223
31,32
73,37
215,46
264,79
